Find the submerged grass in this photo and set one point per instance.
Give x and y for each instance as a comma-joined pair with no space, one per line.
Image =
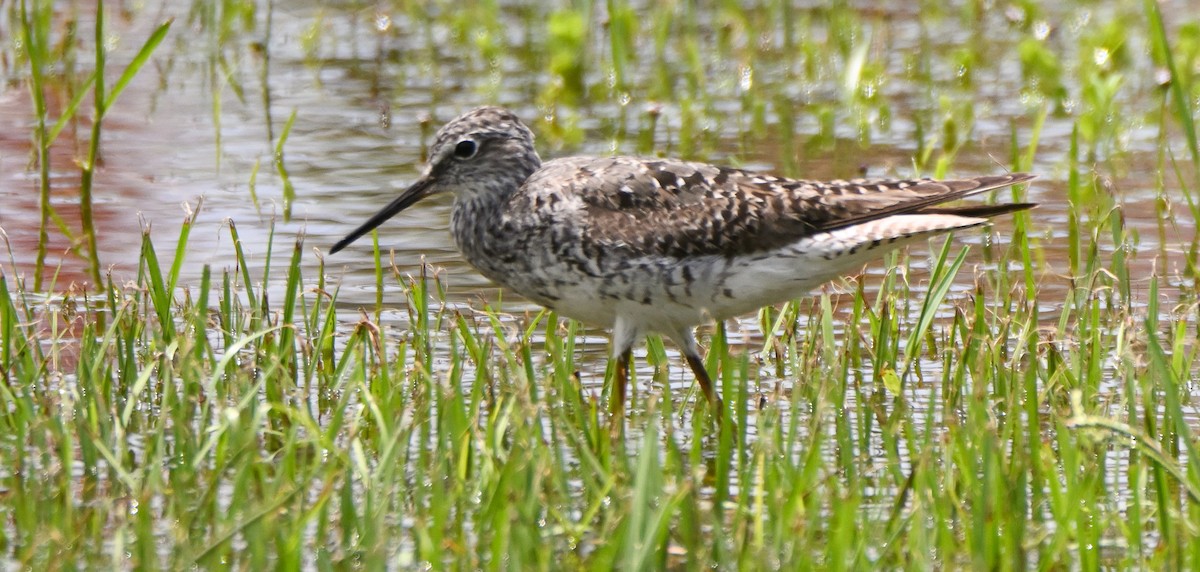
965,411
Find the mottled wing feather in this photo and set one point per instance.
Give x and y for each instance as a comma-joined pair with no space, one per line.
679,208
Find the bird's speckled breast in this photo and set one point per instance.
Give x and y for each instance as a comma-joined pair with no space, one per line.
547,255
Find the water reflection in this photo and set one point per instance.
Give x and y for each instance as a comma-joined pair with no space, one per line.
367,98
365,111
160,149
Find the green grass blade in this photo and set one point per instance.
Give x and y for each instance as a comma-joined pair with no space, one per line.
136,64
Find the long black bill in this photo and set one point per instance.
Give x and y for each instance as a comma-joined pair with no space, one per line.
408,198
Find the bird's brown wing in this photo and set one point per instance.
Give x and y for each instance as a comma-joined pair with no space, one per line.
681,209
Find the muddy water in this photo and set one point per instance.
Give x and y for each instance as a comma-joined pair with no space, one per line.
181,139
368,92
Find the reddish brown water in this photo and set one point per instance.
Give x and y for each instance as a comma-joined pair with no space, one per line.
160,154
166,152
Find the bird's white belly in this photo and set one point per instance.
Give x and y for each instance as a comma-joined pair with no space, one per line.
661,316
671,294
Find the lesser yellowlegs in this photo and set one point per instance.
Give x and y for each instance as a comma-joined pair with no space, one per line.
663,245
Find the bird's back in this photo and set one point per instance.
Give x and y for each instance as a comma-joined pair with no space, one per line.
665,207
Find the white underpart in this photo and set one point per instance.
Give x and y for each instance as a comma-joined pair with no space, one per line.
727,287
791,271
626,333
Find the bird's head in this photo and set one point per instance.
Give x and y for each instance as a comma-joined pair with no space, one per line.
484,153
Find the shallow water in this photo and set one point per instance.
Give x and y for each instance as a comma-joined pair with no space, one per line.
367,102
368,92
160,155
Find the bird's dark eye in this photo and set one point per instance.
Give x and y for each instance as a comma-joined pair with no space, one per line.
465,149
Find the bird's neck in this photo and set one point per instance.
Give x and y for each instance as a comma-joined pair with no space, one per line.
478,212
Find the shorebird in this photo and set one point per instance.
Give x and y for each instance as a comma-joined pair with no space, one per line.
662,245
